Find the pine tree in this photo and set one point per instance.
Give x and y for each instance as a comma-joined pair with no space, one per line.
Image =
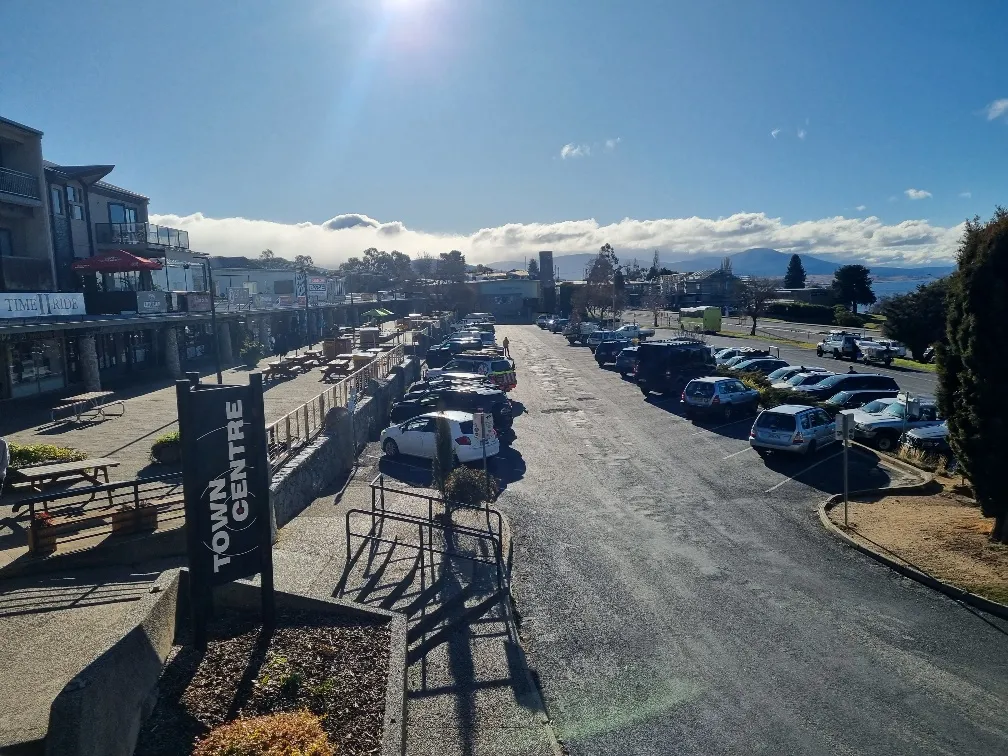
971,366
852,284
795,276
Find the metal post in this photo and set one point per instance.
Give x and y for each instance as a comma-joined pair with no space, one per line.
213,321
307,326
846,445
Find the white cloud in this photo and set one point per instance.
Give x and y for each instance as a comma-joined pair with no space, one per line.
332,242
996,109
861,208
917,194
774,133
802,133
966,195
610,144
571,150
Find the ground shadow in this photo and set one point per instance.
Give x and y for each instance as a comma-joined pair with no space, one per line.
412,470
508,466
823,470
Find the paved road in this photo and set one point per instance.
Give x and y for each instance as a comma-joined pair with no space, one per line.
680,596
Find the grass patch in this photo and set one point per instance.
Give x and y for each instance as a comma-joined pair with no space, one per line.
929,367
769,339
27,455
287,734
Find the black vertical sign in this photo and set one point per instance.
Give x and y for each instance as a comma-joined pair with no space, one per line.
226,479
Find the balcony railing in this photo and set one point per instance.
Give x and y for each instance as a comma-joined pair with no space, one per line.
25,274
147,234
19,184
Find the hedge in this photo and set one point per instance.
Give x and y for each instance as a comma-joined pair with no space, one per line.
40,454
769,396
166,449
801,312
471,487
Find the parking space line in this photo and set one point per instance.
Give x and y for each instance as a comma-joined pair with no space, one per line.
740,451
719,427
799,474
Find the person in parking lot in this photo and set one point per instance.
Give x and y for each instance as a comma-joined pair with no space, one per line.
507,347
852,370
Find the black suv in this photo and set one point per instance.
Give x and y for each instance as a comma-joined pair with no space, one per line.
848,382
667,366
439,355
459,398
608,351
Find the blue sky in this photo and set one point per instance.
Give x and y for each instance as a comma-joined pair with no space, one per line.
434,120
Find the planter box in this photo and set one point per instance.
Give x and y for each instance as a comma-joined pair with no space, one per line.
128,521
41,541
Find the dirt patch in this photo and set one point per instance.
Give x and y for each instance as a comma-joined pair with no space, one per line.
943,534
335,669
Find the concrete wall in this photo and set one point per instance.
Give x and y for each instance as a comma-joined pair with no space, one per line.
99,712
332,455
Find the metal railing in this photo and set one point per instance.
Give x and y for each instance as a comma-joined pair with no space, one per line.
19,184
141,233
291,433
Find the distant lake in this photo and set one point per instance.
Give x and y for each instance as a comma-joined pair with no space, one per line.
899,286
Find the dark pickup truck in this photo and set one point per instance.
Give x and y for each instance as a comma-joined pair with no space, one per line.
608,351
667,366
463,399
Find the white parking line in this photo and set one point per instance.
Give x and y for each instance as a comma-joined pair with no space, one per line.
798,475
740,451
719,427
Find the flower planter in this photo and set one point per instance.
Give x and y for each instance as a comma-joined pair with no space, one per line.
41,540
128,521
167,454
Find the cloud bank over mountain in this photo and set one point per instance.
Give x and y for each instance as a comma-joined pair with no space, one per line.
911,242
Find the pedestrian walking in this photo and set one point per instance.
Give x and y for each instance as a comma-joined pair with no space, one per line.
507,348
4,461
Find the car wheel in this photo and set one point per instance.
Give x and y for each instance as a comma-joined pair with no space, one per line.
763,453
391,448
754,407
836,354
818,351
884,443
726,413
456,462
623,375
810,450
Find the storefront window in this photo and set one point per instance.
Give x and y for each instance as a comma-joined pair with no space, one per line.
35,366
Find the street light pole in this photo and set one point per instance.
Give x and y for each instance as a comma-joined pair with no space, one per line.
213,319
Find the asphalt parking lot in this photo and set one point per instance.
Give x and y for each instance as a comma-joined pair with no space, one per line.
679,594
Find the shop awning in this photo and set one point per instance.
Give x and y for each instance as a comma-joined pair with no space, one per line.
117,261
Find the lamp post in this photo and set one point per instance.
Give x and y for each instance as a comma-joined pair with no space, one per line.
213,316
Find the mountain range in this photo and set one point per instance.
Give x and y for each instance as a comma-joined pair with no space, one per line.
759,261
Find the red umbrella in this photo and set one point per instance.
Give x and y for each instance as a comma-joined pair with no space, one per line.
117,261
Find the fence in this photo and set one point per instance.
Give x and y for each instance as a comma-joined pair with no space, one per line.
294,431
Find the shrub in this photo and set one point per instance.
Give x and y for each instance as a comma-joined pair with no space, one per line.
251,352
166,449
39,454
843,317
470,487
444,454
288,734
769,396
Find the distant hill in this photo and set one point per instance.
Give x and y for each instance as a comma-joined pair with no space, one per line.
759,261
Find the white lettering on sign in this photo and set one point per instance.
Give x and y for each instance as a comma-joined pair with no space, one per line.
220,539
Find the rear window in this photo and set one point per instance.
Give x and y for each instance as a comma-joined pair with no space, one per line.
700,389
466,426
775,421
500,366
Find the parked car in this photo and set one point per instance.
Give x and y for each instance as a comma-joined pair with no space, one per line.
884,430
497,369
737,359
667,366
764,365
597,337
781,375
542,321
933,438
453,378
724,397
793,428
440,354
723,355
449,397
878,406
803,379
839,346
635,331
609,350
626,361
416,437
877,351
577,333
824,389
855,399
558,325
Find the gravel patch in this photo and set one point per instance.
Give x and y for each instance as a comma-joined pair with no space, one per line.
331,667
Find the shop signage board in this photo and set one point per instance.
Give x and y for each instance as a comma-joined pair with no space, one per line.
151,302
317,288
197,301
226,479
41,305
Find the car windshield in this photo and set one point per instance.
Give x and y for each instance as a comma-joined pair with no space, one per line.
775,421
725,353
781,374
841,398
896,409
874,408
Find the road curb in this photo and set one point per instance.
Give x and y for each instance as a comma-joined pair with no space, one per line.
953,592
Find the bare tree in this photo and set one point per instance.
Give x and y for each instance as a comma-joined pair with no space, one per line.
267,254
753,296
654,302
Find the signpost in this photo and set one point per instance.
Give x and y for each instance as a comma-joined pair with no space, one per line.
226,478
482,425
844,432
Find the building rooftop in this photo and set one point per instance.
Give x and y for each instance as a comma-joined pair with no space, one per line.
21,126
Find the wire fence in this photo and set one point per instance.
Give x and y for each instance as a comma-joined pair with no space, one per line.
292,432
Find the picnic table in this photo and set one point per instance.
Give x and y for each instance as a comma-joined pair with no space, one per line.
38,476
92,405
336,368
278,369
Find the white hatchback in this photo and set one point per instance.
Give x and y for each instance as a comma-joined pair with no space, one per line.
416,437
